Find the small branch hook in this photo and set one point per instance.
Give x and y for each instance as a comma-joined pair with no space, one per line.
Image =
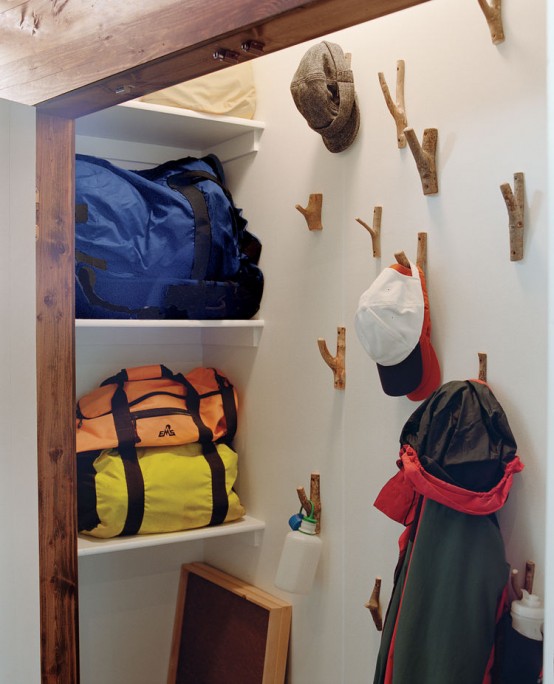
335,363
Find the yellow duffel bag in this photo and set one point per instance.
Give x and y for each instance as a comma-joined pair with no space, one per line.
146,490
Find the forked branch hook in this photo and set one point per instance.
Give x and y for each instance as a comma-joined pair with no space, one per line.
315,499
374,230
515,203
493,15
425,158
398,108
335,363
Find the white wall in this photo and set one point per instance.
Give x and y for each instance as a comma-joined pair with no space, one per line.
549,563
19,598
489,104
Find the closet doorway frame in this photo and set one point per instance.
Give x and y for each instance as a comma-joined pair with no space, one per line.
295,22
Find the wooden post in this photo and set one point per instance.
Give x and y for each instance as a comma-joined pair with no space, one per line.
515,203
425,158
493,15
312,213
374,230
335,363
398,108
56,401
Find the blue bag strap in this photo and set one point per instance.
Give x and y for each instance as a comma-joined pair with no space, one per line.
87,279
202,226
184,182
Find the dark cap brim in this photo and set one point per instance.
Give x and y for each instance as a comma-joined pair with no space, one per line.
431,375
404,377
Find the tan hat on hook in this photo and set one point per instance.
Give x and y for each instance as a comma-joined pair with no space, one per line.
323,92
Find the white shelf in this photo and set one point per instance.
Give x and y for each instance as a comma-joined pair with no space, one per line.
138,132
227,137
90,546
167,323
244,333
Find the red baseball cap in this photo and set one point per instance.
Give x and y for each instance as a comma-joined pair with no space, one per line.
431,374
393,323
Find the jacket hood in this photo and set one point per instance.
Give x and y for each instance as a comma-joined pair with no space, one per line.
457,449
461,435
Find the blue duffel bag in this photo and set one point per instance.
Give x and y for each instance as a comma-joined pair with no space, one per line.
166,242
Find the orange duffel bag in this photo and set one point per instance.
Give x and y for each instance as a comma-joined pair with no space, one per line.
150,406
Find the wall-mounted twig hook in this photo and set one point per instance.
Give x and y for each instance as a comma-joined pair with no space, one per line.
312,213
482,367
421,259
335,363
493,15
529,576
514,580
515,203
425,158
528,581
398,108
375,230
374,605
315,499
402,259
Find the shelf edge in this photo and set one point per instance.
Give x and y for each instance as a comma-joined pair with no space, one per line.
91,546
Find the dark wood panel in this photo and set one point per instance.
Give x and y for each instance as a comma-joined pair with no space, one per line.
56,401
127,56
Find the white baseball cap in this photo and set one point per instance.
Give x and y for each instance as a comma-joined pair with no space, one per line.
389,322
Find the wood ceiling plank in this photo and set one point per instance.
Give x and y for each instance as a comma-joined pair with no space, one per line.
63,54
141,51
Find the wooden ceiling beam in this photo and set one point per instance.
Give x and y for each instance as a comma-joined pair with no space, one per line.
105,63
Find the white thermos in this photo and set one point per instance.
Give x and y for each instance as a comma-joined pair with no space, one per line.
299,558
528,616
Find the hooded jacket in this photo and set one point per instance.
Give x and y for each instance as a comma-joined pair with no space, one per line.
457,462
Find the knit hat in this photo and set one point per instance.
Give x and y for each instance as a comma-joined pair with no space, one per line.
393,324
323,92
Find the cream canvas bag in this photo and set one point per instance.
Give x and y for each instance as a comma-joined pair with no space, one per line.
230,91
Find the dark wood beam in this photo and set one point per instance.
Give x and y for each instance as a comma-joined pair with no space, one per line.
96,61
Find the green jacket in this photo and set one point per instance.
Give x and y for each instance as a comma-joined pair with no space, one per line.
457,461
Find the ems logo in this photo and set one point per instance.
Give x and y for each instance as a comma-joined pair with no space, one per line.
167,432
